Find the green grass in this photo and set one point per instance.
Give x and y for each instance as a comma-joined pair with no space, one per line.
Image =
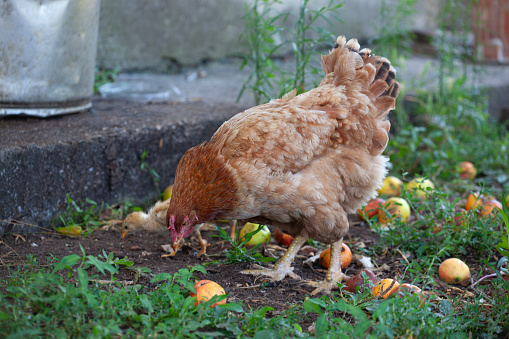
65,300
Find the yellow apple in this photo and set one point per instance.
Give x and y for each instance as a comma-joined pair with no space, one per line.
167,192
397,207
391,187
419,186
259,238
454,271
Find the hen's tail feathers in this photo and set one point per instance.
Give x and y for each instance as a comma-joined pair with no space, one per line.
341,67
372,75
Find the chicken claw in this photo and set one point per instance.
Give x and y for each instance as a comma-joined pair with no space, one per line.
334,274
203,244
283,267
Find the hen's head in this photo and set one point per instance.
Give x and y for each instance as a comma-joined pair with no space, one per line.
180,225
203,188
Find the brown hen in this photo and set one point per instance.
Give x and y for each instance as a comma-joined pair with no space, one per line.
300,163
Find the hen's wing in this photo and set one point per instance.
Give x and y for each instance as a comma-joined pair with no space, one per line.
348,109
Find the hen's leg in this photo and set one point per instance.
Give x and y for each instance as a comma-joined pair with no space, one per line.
203,244
283,266
233,226
334,274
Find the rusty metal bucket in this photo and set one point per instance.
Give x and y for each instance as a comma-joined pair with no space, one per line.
47,56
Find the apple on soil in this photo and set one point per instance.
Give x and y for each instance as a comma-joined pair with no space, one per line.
357,283
467,170
397,207
454,271
391,187
419,186
371,208
259,238
282,238
167,192
385,288
205,290
346,257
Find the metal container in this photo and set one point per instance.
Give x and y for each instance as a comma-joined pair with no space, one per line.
47,56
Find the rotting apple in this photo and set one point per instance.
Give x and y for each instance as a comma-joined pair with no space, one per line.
371,208
282,238
418,187
346,257
467,170
397,208
391,187
406,288
263,236
490,206
385,288
357,283
454,271
205,290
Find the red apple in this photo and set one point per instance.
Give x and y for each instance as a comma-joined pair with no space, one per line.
371,208
282,238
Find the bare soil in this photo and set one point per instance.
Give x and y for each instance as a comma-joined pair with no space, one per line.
145,250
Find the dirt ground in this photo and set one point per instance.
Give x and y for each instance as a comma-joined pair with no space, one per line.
145,250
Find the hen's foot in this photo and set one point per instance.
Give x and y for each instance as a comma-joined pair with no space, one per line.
326,286
277,273
203,250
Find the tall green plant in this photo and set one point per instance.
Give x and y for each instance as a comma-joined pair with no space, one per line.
451,41
306,36
261,37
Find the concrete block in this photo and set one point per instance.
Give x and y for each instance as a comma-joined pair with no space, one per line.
96,155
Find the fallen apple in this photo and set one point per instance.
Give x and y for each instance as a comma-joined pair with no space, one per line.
491,206
70,231
282,238
397,208
467,170
406,289
391,187
263,236
385,288
474,201
167,192
357,283
418,187
346,257
454,271
371,208
205,290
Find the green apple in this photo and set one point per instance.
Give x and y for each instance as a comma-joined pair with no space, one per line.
419,186
263,236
